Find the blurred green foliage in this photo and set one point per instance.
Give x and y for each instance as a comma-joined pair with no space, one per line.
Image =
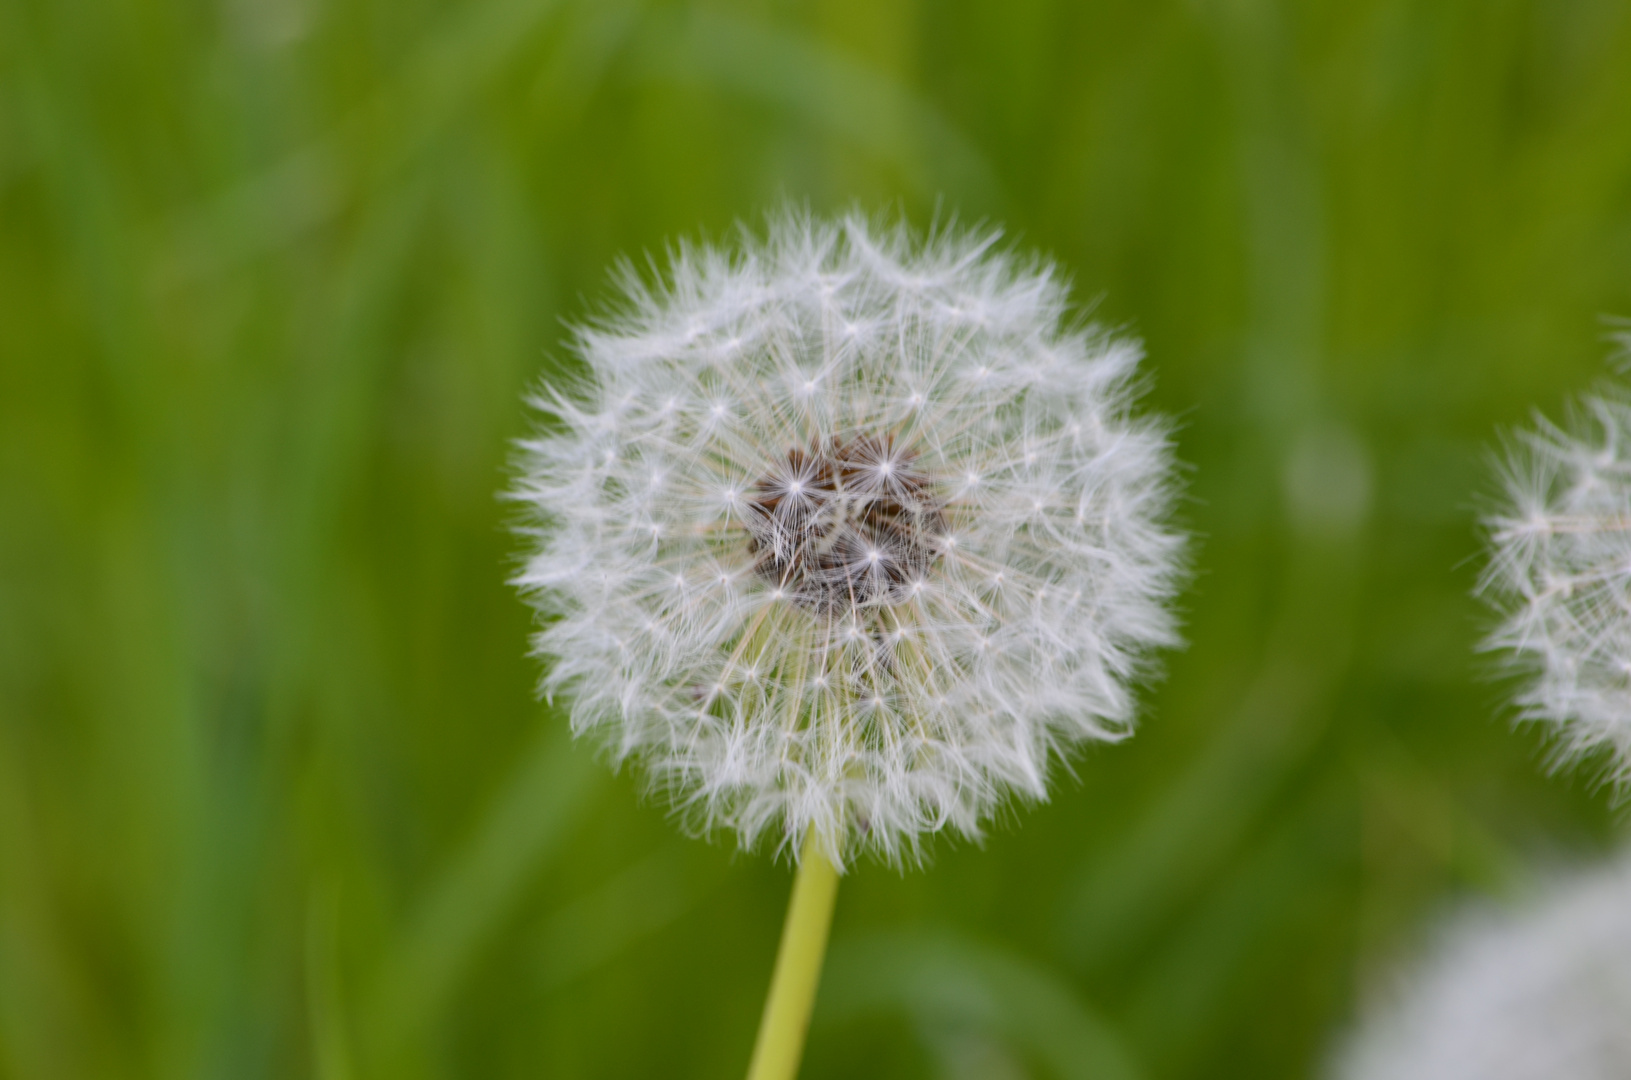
276,798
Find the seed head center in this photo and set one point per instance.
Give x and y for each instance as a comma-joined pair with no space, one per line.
845,524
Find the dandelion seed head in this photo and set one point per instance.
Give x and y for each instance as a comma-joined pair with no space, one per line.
846,606
1559,576
1536,991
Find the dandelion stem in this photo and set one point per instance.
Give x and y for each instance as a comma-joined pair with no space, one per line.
780,1044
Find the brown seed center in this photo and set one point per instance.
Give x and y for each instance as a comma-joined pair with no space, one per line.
847,524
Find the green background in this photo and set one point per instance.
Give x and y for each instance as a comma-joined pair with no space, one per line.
276,797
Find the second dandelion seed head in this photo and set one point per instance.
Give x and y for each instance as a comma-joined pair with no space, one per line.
1560,577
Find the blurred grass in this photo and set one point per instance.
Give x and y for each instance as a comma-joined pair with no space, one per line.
275,796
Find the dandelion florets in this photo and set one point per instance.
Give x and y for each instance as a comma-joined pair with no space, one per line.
1560,576
849,532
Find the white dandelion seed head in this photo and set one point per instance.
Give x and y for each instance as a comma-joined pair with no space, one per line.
862,642
1560,577
1538,993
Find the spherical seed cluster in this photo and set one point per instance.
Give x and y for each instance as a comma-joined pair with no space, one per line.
848,532
1537,994
1560,576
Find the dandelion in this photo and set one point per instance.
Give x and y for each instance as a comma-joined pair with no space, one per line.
847,538
1560,577
1533,994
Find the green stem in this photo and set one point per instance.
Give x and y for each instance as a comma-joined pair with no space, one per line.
798,968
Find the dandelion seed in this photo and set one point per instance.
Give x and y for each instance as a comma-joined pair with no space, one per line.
1560,577
872,559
